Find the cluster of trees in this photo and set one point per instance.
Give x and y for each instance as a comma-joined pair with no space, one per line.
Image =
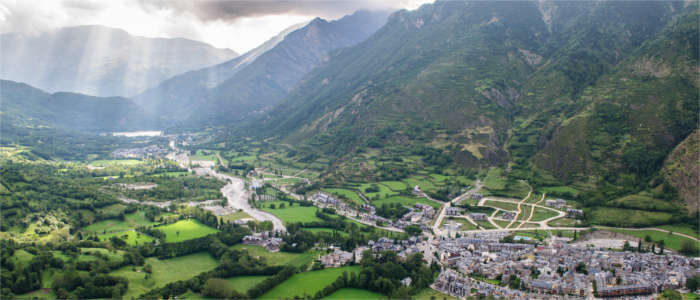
354,234
71,284
383,274
42,187
392,210
191,188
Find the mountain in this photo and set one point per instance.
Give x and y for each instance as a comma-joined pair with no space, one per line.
262,82
100,61
24,106
592,95
173,96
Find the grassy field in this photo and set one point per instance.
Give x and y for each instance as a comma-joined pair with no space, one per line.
502,205
682,229
131,237
406,201
620,217
86,254
295,213
164,272
503,224
243,283
345,194
307,283
354,294
115,162
428,294
494,179
525,212
384,191
466,225
643,202
395,185
558,191
485,224
329,230
200,155
425,183
277,258
542,214
22,257
185,230
671,241
562,222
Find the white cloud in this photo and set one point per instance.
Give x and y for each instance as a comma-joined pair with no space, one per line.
237,25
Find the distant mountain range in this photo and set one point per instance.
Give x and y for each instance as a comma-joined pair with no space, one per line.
259,79
100,61
24,106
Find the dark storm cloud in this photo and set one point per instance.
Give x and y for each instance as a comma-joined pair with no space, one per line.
228,10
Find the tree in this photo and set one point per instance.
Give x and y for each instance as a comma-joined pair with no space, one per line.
689,248
693,283
217,288
647,238
662,243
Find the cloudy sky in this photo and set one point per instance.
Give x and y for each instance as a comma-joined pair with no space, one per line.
238,25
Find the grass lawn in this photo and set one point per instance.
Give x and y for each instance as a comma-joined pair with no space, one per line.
185,230
428,293
243,283
307,283
406,201
542,214
296,213
165,271
354,294
131,237
277,258
345,194
38,294
671,241
691,296
502,205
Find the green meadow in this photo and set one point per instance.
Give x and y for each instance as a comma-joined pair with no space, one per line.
185,230
164,272
307,283
295,213
243,283
354,294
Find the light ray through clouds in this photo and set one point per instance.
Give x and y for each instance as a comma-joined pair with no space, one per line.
238,25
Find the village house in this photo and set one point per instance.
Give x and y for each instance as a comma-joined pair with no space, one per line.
478,216
508,215
574,213
558,203
416,191
336,259
406,281
452,211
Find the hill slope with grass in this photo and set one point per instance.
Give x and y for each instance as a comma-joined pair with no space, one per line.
589,95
